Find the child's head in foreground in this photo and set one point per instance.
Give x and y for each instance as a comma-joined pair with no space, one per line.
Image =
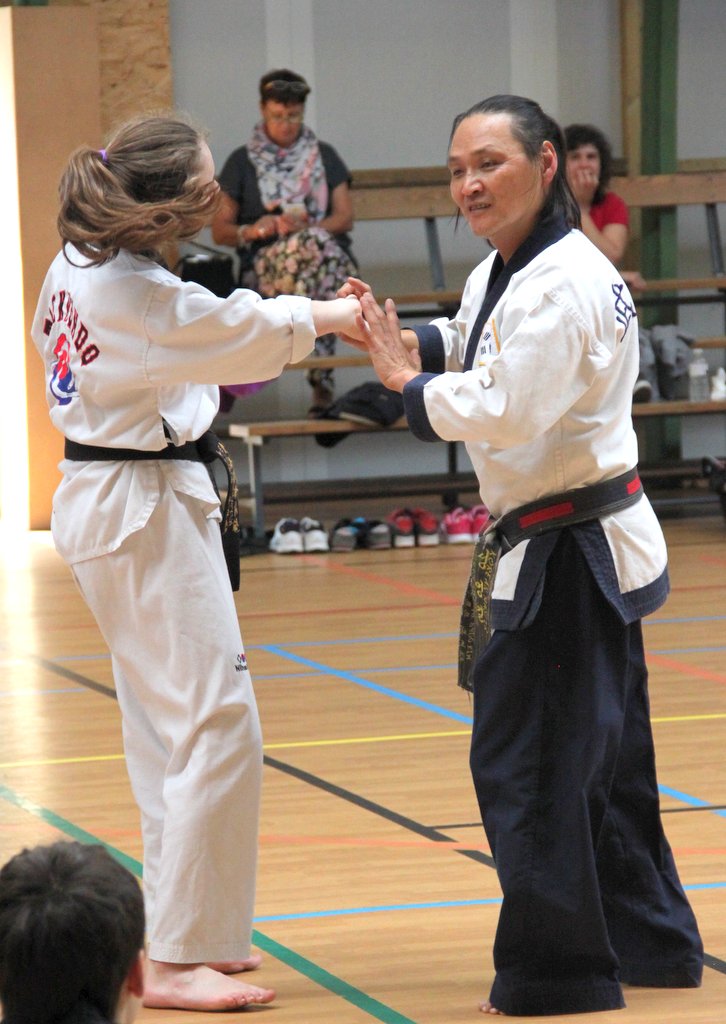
71,936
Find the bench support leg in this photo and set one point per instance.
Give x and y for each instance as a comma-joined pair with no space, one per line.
254,461
715,243
436,263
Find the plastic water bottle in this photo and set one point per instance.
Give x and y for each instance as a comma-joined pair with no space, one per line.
718,385
698,386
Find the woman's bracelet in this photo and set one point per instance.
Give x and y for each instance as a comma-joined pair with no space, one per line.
241,240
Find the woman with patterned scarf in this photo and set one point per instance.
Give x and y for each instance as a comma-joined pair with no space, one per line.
287,210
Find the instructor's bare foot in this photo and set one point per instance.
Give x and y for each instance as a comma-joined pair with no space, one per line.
198,987
488,1008
237,966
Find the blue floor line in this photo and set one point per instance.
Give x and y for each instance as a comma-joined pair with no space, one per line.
686,798
385,691
436,905
443,712
686,650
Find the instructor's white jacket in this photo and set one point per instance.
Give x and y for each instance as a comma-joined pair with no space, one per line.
541,394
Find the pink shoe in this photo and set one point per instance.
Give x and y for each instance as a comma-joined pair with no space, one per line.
457,526
402,527
480,518
426,527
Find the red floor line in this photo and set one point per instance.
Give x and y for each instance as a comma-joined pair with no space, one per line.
685,669
246,616
372,577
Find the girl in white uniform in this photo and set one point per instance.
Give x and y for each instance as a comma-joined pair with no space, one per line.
133,357
535,373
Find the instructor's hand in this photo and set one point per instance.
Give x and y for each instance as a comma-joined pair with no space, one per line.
395,364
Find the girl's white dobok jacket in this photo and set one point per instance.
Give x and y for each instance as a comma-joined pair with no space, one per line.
133,357
540,390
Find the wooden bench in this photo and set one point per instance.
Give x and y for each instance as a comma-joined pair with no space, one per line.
256,434
422,193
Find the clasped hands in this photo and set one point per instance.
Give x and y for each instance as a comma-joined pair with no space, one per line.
394,361
279,225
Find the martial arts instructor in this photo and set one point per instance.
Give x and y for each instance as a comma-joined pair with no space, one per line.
535,374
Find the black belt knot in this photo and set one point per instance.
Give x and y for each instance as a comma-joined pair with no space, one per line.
536,517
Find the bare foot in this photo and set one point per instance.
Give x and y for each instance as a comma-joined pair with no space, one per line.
488,1008
197,987
237,966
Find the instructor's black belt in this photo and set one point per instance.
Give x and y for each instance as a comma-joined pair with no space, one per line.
208,449
569,507
530,520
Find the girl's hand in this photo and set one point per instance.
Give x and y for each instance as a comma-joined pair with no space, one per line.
342,317
354,286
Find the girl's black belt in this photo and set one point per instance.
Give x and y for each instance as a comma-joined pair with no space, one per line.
202,450
207,448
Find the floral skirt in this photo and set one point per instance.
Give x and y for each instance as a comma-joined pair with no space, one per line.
309,262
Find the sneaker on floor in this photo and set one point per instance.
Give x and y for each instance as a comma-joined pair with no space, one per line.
457,526
286,538
480,517
403,528
426,527
343,536
314,536
377,535
372,533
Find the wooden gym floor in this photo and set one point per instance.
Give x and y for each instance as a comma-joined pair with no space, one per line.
377,900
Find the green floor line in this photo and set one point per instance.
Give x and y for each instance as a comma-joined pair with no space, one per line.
63,825
322,977
288,956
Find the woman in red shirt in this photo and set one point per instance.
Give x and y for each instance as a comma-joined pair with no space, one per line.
604,215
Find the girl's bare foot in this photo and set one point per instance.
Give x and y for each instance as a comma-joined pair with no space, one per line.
237,966
488,1008
198,987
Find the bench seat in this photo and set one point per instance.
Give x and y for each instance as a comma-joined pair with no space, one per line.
255,434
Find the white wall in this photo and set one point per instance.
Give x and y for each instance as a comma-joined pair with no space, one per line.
701,133
588,66
388,77
702,79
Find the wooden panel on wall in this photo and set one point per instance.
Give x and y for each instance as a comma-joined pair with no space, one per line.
71,71
135,57
51,91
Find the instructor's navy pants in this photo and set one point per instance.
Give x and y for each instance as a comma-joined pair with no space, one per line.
564,770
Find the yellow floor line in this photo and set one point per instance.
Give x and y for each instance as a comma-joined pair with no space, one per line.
348,741
61,760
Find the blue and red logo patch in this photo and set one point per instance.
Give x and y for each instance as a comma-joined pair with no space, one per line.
62,382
